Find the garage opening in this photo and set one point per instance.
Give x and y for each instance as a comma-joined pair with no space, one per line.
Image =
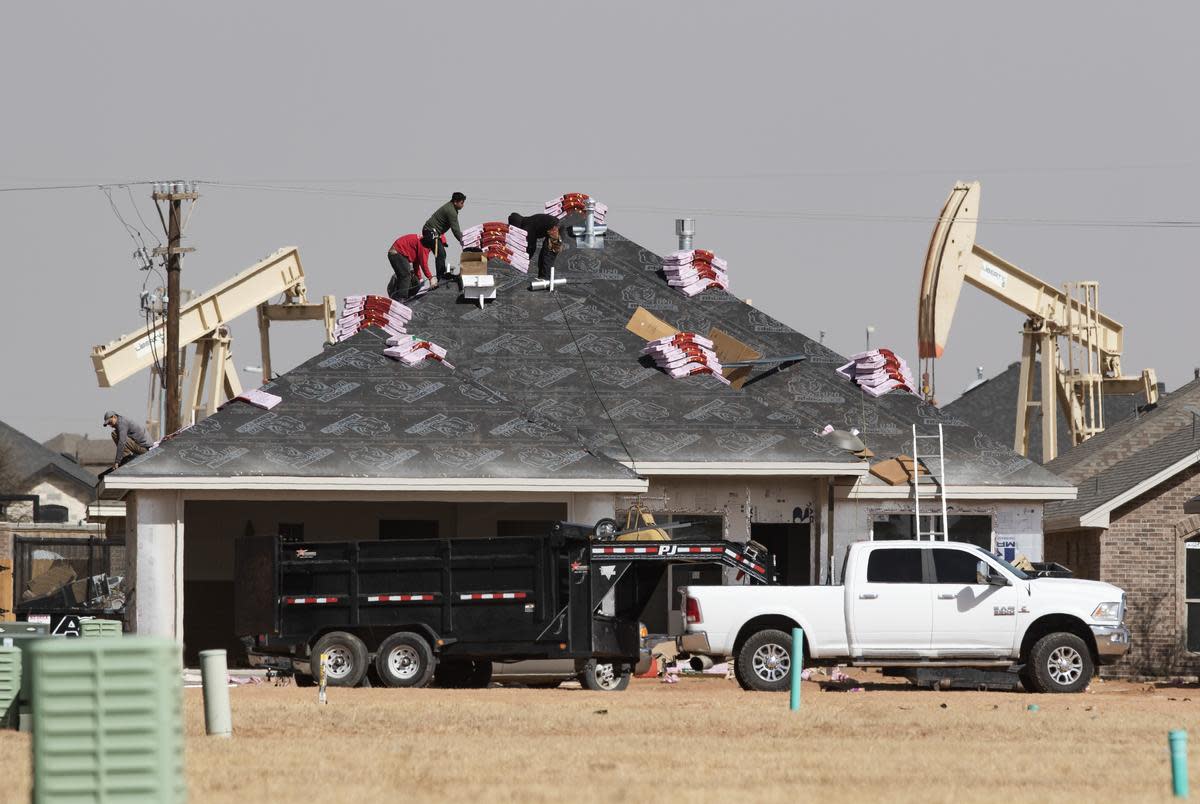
211,527
791,546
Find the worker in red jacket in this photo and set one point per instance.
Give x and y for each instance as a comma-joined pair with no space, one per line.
408,254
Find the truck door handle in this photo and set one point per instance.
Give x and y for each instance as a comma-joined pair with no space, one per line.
868,596
946,596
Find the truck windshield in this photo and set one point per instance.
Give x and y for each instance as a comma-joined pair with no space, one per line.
1022,576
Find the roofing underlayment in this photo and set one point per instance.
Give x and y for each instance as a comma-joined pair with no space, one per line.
553,385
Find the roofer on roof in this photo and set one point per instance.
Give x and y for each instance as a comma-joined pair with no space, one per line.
407,256
544,227
444,219
129,437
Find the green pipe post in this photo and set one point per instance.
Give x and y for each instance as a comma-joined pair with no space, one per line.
797,667
1178,740
214,675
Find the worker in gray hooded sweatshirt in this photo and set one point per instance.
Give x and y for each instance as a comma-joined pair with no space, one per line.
128,435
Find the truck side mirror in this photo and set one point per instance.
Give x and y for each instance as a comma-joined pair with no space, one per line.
996,579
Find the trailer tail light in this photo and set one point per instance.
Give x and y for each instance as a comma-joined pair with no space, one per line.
692,611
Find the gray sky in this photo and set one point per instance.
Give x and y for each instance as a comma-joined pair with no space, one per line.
828,117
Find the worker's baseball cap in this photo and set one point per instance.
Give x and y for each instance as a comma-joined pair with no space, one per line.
108,414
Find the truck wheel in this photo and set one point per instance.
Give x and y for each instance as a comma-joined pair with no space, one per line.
346,655
604,676
1060,662
404,660
463,674
764,664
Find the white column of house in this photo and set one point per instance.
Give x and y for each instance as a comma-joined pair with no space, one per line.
587,509
154,561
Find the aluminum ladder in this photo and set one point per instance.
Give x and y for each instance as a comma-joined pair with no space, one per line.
934,483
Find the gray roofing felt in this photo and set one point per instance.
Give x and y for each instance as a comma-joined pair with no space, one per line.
1127,473
27,458
992,407
541,377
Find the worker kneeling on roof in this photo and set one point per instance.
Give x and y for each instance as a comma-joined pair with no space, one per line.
407,256
444,219
128,435
537,227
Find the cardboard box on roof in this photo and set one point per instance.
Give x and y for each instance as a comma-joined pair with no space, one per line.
473,263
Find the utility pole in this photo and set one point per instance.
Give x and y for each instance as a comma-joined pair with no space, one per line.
174,193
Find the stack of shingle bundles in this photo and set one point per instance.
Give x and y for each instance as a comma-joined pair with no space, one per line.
685,353
410,350
564,205
499,241
360,312
879,371
695,271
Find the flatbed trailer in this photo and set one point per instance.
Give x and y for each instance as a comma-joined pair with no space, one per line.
455,605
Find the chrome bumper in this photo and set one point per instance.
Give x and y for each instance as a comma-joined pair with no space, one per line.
1112,641
694,643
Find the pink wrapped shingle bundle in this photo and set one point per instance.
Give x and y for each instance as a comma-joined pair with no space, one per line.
565,204
360,312
410,350
499,241
695,271
879,371
685,353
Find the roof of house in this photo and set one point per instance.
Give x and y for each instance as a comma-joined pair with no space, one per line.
991,406
547,375
85,451
1127,459
28,458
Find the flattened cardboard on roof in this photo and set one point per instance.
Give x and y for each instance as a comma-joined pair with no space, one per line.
646,325
896,471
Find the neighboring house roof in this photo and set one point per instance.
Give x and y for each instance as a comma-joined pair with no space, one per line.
1128,459
90,453
28,459
558,372
992,407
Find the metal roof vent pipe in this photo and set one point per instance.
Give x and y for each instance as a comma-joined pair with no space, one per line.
586,235
685,228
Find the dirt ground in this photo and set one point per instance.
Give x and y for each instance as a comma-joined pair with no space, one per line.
702,739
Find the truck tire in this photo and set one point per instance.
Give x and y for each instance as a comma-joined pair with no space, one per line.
463,674
1059,662
764,664
347,659
404,660
604,676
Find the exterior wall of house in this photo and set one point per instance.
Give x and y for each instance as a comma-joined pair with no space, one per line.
1142,551
53,490
1077,550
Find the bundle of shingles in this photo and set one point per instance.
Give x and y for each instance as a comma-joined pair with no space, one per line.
695,271
499,241
685,353
879,371
360,312
564,205
410,350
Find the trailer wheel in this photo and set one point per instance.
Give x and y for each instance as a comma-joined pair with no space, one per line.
604,676
347,659
463,674
764,664
404,660
1060,662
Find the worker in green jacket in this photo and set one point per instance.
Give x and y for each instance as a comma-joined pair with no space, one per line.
433,233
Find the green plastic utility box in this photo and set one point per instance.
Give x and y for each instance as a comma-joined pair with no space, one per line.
10,685
107,720
89,629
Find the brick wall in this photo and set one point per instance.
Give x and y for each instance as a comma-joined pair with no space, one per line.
1077,550
1142,553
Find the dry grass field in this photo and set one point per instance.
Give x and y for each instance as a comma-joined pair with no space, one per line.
702,739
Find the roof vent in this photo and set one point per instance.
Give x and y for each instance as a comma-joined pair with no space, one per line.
685,228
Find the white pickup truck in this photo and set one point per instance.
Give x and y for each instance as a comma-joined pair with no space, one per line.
915,604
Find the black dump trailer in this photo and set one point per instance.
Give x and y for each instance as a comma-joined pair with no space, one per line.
454,604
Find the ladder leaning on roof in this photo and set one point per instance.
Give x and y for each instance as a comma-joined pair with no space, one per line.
935,462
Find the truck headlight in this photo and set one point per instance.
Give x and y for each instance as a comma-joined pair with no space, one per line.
1108,611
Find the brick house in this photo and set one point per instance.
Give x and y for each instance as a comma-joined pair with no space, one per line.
1130,526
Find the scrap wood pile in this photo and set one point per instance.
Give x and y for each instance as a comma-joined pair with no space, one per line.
879,371
695,271
685,353
564,205
499,241
360,312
